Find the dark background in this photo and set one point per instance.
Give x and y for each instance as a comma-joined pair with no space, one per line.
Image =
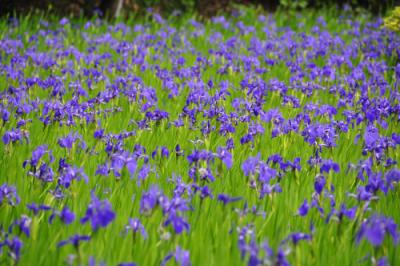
205,8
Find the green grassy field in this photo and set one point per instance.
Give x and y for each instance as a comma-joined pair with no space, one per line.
99,75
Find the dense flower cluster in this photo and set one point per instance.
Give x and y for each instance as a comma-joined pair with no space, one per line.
185,127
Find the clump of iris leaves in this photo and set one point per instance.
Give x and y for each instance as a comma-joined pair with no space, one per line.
249,139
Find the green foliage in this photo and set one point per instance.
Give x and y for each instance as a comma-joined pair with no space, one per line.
392,21
167,6
210,242
293,4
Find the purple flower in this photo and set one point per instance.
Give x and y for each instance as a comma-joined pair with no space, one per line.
143,172
266,173
374,229
246,139
92,262
37,154
154,153
14,245
98,134
157,115
164,152
225,199
150,199
376,183
230,145
13,135
343,211
296,237
383,261
315,133
5,115
205,191
69,173
36,208
225,156
74,240
319,183
99,213
249,166
67,216
392,176
9,194
206,174
303,210
64,21
371,137
178,223
103,169
364,195
327,165
136,226
178,150
68,141
23,224
267,189
182,257
281,259
197,156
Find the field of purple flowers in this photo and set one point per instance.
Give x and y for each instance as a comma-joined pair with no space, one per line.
248,139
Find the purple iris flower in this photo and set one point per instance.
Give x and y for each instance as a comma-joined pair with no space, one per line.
249,166
225,199
66,215
136,226
37,154
74,240
319,183
36,208
225,156
296,237
150,199
303,210
375,228
99,213
69,173
327,165
182,257
9,194
14,245
14,135
24,224
178,223
68,141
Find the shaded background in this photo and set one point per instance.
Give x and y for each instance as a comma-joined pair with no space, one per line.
205,8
